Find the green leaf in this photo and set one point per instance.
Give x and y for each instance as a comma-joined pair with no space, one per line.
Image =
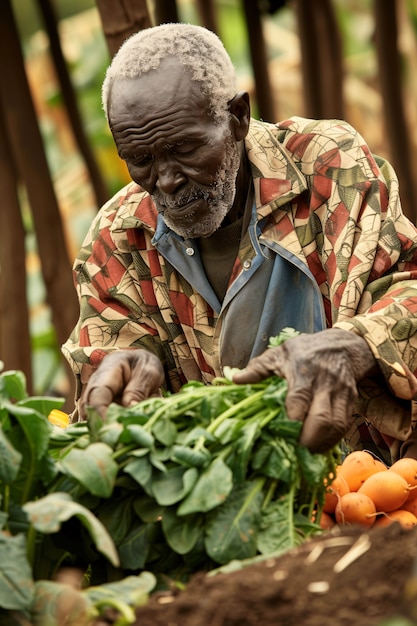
116,514
181,533
313,466
61,437
42,404
48,513
13,385
243,450
134,549
140,469
231,530
189,456
30,436
132,590
94,468
16,584
286,333
53,599
95,423
195,434
10,460
147,509
276,458
173,485
226,430
211,490
110,434
278,532
165,431
285,428
36,430
135,433
3,519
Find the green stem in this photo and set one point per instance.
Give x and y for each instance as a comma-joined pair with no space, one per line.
313,504
127,614
291,498
122,451
236,408
269,494
271,413
199,443
6,498
181,408
31,545
257,488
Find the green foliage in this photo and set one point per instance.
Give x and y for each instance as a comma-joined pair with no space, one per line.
168,487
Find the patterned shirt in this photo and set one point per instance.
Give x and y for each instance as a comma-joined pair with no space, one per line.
327,246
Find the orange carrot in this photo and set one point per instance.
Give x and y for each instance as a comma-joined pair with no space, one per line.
355,508
403,517
357,467
338,487
388,490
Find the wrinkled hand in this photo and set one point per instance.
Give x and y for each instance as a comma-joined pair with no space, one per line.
126,377
322,371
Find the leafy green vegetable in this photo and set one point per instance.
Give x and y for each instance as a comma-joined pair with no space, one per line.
172,485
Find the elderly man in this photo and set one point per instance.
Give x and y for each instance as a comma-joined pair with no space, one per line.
233,229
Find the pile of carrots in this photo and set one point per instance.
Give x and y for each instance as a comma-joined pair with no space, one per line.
365,491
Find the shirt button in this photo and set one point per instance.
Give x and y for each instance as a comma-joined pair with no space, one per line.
190,251
247,264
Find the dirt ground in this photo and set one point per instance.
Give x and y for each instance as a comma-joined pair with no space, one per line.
344,577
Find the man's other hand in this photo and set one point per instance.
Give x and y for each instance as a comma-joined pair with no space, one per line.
126,377
322,371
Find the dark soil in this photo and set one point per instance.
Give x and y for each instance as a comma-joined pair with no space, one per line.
344,577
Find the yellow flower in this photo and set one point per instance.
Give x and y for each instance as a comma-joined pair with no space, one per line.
58,418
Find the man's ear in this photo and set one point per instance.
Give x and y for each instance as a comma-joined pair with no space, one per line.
239,108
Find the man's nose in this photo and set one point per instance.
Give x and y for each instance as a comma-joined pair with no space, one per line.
169,176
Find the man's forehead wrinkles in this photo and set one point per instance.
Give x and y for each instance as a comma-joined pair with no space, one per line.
161,139
168,132
151,132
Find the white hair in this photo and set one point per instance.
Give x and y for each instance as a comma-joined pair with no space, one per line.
197,48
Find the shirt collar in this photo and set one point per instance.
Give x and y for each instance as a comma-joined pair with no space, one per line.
277,180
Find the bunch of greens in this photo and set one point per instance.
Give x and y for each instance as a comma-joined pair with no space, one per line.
173,485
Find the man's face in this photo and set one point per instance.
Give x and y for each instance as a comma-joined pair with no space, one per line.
174,150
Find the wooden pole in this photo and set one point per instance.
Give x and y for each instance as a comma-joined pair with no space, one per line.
122,18
390,77
208,15
71,105
28,153
166,11
14,311
259,56
321,58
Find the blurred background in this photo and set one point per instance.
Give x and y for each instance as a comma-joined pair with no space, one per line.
348,59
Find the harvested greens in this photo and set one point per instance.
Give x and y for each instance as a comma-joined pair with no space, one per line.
173,485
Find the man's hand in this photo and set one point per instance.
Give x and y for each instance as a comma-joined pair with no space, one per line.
322,371
126,377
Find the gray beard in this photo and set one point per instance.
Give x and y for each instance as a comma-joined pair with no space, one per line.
220,198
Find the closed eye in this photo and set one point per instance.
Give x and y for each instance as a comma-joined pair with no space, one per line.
140,161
